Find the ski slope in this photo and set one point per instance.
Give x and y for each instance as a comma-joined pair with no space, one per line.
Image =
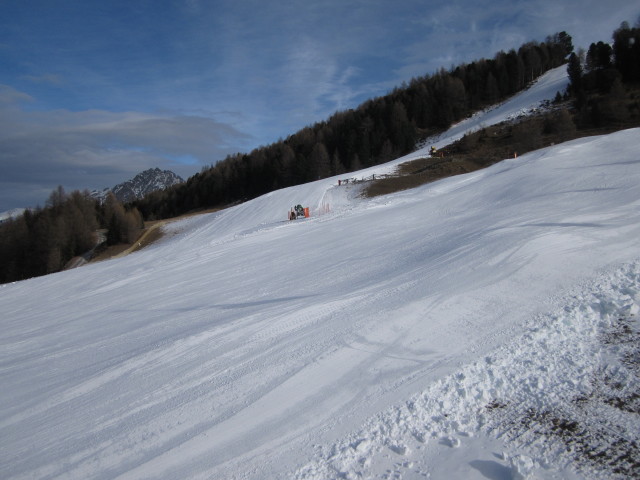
405,336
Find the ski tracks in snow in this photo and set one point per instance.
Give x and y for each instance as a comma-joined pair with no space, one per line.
561,397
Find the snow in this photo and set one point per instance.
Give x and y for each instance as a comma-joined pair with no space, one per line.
488,401
16,212
477,327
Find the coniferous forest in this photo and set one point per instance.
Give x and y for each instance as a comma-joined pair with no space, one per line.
601,76
43,240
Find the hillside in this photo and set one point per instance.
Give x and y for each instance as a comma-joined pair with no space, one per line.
479,326
144,183
375,132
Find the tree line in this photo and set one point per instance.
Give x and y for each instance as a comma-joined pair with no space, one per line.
377,131
43,240
600,77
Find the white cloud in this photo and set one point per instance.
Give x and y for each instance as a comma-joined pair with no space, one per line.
97,149
9,97
47,78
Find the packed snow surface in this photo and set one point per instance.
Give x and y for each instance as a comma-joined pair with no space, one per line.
482,326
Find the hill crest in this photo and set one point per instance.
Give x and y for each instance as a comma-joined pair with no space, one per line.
150,180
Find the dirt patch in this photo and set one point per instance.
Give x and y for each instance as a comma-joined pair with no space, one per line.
110,252
149,235
596,430
152,237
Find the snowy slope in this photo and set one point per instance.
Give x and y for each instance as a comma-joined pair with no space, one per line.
367,340
16,212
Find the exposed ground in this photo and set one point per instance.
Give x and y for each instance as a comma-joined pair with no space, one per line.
482,148
149,235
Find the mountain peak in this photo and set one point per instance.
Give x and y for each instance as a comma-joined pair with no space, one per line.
143,183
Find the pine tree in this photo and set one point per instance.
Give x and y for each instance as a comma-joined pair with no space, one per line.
599,56
574,69
337,168
626,51
319,161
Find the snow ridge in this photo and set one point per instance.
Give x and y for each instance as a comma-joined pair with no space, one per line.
151,180
562,397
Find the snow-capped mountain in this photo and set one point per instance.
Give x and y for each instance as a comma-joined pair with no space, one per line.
16,212
145,182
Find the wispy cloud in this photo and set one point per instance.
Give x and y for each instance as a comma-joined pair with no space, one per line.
10,97
193,6
48,78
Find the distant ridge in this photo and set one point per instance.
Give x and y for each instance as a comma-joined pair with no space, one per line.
16,212
145,182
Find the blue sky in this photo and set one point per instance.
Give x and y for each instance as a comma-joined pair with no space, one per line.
93,92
